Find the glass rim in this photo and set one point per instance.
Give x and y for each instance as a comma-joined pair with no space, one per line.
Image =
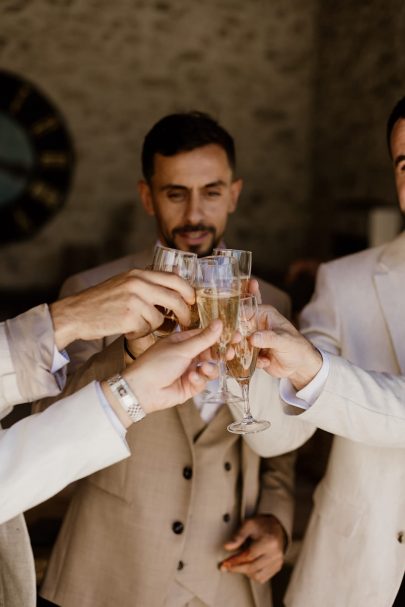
184,253
236,251
214,258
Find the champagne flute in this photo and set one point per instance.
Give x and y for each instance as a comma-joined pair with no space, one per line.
217,289
184,264
244,259
242,366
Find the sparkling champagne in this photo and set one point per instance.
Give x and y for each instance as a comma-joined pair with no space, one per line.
242,366
224,305
244,285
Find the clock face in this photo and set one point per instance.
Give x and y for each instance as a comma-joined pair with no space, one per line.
36,158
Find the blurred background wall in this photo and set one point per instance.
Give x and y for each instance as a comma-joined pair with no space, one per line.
304,86
113,69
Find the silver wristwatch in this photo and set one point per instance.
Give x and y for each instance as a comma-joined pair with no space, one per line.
127,399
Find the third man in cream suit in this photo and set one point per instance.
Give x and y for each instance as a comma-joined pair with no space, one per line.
353,553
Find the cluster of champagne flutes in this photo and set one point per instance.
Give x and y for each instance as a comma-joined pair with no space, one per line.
221,282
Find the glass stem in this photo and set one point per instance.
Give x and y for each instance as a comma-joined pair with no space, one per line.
245,395
222,369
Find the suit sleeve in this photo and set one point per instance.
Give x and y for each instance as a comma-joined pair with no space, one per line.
26,354
364,406
43,453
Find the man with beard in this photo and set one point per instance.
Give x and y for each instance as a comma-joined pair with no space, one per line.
154,531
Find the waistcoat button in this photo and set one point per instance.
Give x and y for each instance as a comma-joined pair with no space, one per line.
187,472
180,565
228,466
401,537
226,518
177,527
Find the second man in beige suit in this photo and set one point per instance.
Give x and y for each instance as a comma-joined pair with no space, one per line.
153,531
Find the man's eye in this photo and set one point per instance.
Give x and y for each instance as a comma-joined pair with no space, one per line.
213,194
402,167
175,195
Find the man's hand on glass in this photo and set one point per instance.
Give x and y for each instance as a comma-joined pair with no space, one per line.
284,352
173,370
124,304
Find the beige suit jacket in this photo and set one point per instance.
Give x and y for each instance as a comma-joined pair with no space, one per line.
41,454
354,549
101,542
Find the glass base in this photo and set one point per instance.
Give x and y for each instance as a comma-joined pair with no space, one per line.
248,425
221,397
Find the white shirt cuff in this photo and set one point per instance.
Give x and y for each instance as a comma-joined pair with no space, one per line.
115,421
306,397
60,359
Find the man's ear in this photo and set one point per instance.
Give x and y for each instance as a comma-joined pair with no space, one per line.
145,195
236,188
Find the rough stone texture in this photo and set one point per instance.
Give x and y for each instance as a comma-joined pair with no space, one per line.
114,68
359,77
305,87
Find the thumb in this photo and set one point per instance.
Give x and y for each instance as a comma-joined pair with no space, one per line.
194,345
239,538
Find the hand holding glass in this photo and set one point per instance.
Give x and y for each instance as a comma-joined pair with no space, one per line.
184,264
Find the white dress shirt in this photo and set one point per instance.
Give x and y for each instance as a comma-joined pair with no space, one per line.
306,397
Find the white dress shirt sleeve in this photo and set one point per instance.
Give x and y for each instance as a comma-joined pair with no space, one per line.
306,397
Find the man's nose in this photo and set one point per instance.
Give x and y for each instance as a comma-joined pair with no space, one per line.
194,210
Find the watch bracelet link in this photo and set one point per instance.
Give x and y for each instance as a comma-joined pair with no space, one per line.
127,399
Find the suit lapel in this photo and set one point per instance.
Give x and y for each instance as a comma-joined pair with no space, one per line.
191,420
389,280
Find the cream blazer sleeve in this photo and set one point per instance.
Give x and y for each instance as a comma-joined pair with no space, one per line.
42,453
361,405
364,406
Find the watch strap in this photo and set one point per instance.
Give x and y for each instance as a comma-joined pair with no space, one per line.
127,399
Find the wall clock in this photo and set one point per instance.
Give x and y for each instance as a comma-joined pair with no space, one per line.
36,158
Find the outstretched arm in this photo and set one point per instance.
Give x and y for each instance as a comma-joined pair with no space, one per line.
74,437
364,406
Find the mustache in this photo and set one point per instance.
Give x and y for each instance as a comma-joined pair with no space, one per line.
200,227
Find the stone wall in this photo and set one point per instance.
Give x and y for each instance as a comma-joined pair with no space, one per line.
114,68
360,75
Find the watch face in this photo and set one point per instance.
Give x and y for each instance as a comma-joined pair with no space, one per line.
36,158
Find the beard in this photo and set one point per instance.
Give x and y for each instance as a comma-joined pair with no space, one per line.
203,249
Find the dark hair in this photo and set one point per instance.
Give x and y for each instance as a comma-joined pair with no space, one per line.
397,113
184,132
